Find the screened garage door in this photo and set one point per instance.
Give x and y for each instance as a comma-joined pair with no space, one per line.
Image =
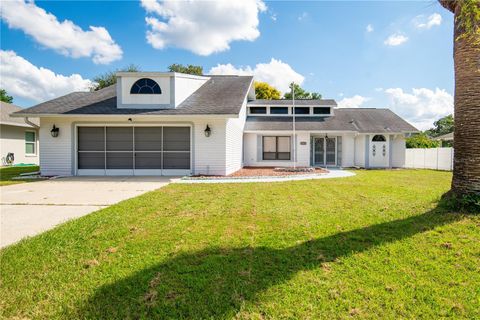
119,150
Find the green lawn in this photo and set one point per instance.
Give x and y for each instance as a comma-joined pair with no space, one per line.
372,246
7,173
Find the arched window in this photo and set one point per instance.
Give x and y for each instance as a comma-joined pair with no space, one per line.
379,138
145,86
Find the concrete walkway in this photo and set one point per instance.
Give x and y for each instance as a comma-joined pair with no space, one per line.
28,209
333,173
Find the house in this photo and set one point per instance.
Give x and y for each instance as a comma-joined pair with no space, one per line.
17,136
155,123
446,139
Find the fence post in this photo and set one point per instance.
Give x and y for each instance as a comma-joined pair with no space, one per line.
437,157
451,159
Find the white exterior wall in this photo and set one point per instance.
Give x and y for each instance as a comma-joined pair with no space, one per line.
234,141
209,153
147,99
12,140
398,151
348,150
175,89
58,154
252,150
359,159
184,87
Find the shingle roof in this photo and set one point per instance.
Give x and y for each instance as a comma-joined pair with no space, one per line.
219,95
352,119
300,102
6,109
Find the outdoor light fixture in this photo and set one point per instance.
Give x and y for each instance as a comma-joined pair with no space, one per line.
54,132
208,131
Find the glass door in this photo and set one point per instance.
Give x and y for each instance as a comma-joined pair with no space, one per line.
331,154
319,151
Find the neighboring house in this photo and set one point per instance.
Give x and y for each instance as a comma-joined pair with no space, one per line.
445,137
18,136
154,123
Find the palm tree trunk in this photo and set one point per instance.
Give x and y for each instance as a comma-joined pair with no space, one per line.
466,55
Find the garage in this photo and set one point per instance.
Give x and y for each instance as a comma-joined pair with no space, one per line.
133,150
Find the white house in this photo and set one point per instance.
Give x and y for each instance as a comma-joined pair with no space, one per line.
154,123
17,136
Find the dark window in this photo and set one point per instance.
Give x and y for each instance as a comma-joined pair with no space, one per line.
258,110
379,138
276,148
145,86
278,110
302,110
321,110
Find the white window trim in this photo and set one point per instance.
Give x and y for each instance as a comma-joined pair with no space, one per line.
290,111
35,147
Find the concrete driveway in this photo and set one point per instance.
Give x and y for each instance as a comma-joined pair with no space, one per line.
30,208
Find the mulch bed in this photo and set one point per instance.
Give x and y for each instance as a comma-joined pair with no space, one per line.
264,172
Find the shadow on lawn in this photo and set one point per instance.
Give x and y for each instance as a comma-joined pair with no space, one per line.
215,282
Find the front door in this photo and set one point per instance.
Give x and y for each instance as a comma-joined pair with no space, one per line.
319,151
325,151
379,155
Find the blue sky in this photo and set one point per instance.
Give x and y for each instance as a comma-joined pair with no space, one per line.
394,55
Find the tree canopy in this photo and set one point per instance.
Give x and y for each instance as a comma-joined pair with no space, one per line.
301,93
5,97
265,91
108,78
188,69
421,140
441,126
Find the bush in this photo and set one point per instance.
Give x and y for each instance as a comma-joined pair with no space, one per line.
421,140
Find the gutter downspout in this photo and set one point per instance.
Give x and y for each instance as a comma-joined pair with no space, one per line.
31,123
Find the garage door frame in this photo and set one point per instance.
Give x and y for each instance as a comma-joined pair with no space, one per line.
134,172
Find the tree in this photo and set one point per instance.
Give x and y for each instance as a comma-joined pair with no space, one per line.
421,140
109,78
466,56
301,93
5,97
441,126
265,91
188,69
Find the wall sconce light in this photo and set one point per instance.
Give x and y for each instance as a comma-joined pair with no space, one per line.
208,131
55,131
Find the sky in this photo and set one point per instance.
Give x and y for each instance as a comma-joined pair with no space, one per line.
380,54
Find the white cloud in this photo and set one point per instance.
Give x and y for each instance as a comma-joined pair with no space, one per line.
369,28
276,73
303,16
203,27
421,107
23,79
395,39
353,102
420,22
64,37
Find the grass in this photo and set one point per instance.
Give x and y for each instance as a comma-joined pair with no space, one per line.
7,173
376,245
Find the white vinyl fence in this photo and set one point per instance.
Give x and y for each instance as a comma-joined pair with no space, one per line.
435,158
